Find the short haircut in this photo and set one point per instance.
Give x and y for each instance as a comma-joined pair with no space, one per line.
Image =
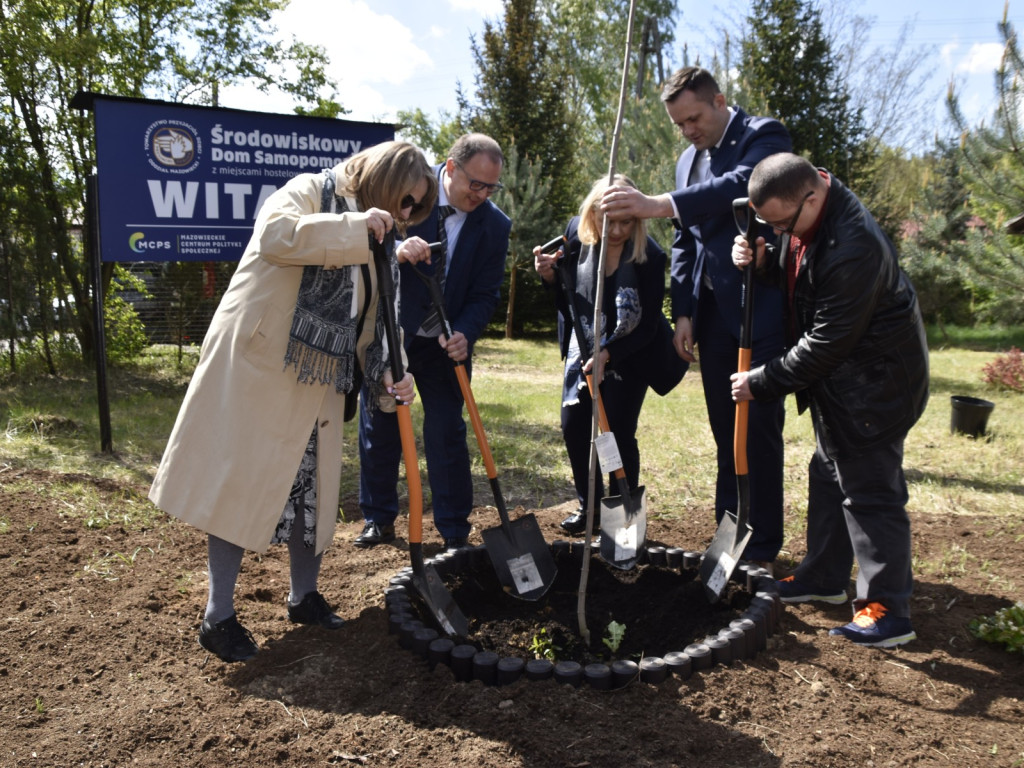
470,144
590,217
783,176
382,175
695,79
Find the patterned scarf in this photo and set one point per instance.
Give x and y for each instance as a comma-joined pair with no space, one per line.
627,299
327,321
627,314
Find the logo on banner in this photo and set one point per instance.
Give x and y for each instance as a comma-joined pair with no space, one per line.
173,146
139,244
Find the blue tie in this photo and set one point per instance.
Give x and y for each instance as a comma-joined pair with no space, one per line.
432,323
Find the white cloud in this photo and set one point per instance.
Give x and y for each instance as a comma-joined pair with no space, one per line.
384,56
360,43
981,59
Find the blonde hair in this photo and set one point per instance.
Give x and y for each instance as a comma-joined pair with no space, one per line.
590,216
382,175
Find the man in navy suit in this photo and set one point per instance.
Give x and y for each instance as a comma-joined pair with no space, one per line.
725,145
476,232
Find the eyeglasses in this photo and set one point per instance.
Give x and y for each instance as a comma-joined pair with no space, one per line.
787,229
481,186
410,202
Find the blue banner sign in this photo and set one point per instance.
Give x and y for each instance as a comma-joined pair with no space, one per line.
184,183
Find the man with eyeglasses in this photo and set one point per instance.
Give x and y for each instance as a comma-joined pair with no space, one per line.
725,145
474,232
859,360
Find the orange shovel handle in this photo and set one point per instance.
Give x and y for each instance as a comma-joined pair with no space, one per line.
474,417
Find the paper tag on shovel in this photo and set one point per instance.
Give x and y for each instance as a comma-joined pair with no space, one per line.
626,542
608,453
720,576
525,574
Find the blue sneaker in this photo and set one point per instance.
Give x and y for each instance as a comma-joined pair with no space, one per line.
872,627
793,591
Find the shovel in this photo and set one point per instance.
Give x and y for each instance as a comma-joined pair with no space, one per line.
623,517
425,578
734,530
520,555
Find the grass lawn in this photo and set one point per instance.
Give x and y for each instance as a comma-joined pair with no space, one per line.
53,423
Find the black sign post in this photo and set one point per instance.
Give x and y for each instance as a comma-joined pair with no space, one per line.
178,182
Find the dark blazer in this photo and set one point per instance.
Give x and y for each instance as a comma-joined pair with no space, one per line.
642,351
473,285
861,360
705,228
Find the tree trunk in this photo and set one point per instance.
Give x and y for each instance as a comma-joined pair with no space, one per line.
510,310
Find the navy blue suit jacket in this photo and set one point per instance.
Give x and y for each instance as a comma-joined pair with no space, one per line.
706,228
473,285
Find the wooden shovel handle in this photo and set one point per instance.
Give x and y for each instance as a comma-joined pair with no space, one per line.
386,291
739,439
602,419
474,417
747,223
412,474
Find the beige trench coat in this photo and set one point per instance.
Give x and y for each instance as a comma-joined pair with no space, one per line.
245,421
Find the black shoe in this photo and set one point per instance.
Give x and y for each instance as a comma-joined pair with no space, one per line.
455,542
576,523
314,610
374,534
228,640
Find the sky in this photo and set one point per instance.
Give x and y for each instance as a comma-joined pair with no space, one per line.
388,55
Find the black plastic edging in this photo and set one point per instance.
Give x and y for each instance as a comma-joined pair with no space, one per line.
742,639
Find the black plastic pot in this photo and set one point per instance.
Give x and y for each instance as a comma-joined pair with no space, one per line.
969,415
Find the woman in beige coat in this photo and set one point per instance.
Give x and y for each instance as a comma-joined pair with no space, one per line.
255,454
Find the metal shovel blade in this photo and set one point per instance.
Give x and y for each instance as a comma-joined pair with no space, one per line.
521,557
722,556
440,602
425,579
623,528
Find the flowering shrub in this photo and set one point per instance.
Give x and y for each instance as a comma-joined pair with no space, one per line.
1006,371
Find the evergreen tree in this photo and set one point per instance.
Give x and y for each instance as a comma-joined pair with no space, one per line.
789,72
934,242
992,166
519,97
525,200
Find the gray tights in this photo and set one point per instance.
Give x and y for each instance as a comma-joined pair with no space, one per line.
225,562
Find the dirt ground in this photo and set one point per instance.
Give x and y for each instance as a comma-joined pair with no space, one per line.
99,665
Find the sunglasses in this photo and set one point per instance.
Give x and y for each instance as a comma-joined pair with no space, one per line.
788,228
410,202
481,186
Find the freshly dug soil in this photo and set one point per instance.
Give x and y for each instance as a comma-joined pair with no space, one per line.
100,666
661,610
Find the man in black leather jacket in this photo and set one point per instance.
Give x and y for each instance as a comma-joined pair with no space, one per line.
859,360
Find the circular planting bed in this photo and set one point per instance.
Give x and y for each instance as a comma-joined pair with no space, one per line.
646,623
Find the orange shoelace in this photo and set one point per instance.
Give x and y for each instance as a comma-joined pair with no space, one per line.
869,614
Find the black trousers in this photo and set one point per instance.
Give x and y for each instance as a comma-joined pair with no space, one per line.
622,395
856,508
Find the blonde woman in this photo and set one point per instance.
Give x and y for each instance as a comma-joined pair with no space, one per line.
632,322
255,454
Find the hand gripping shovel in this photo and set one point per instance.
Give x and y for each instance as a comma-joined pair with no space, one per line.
734,531
425,578
623,517
521,557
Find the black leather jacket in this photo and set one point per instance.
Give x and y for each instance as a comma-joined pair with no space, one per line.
861,359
